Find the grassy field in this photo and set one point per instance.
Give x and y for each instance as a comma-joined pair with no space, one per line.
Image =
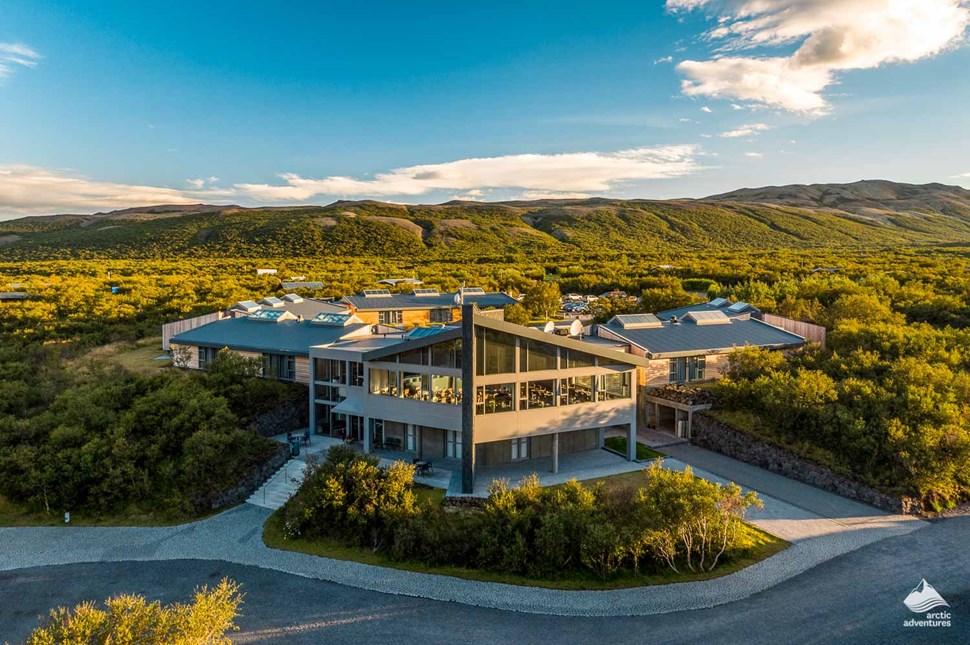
764,545
138,356
618,444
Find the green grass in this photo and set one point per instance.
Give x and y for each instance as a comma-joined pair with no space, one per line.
761,545
618,444
138,356
13,514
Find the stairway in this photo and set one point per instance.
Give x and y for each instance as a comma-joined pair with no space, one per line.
281,486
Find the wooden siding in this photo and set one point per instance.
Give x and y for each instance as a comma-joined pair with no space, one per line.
808,331
179,326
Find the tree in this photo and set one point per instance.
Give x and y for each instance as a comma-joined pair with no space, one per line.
542,299
516,313
131,619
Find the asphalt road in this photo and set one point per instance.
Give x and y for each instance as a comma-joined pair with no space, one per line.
856,598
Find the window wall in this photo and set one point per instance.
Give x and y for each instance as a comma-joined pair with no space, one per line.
357,373
613,386
687,368
537,394
206,356
535,355
331,370
447,354
576,389
440,315
495,352
384,382
390,317
446,389
491,399
415,386
279,366
573,358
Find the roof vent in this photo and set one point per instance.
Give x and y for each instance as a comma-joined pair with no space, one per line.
674,321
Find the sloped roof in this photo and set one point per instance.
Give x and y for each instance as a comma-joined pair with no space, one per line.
718,304
687,337
411,301
289,337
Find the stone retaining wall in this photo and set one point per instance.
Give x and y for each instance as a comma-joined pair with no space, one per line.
710,433
247,485
289,417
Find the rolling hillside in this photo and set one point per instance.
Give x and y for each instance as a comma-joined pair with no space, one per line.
867,214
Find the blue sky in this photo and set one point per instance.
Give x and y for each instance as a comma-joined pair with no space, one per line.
108,104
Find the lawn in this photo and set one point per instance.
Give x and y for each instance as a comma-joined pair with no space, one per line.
763,545
138,356
12,514
618,444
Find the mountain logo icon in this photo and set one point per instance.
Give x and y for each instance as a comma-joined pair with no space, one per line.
924,598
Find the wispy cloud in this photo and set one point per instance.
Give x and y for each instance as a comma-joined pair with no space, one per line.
706,109
575,172
29,190
756,155
664,59
831,37
962,175
14,55
745,130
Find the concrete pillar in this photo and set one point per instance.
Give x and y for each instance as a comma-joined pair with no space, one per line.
601,437
313,405
368,440
555,452
468,399
631,442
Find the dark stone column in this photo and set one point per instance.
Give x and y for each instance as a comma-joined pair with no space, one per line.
467,399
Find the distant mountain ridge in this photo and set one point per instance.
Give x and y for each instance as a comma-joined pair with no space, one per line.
868,198
867,213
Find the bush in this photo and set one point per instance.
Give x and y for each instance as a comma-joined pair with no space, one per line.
131,619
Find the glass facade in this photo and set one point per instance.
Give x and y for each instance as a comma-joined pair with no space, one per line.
330,370
356,373
446,389
535,356
414,357
447,354
537,394
415,386
494,352
613,386
390,317
576,389
279,366
573,358
440,315
687,368
383,382
490,399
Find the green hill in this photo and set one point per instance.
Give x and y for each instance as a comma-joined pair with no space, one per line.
472,229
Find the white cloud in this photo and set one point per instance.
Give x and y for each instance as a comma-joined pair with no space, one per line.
201,182
575,172
962,175
13,55
735,106
706,109
665,59
29,190
830,36
745,130
756,155
551,194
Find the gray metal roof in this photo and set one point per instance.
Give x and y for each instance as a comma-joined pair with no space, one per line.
289,286
690,338
289,337
718,304
411,301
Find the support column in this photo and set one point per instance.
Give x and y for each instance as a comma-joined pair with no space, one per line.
555,452
631,442
468,399
313,396
368,441
601,437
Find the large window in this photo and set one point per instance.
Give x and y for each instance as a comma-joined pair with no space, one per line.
575,358
415,386
453,444
577,389
537,394
356,373
328,393
495,352
687,368
330,370
446,389
520,448
390,317
613,386
383,382
411,438
417,356
279,366
440,315
447,354
206,356
490,399
535,356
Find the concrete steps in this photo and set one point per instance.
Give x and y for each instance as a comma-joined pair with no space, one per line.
281,486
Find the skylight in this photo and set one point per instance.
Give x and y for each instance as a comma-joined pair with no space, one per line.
421,293
377,293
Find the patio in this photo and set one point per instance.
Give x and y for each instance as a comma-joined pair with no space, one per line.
441,469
